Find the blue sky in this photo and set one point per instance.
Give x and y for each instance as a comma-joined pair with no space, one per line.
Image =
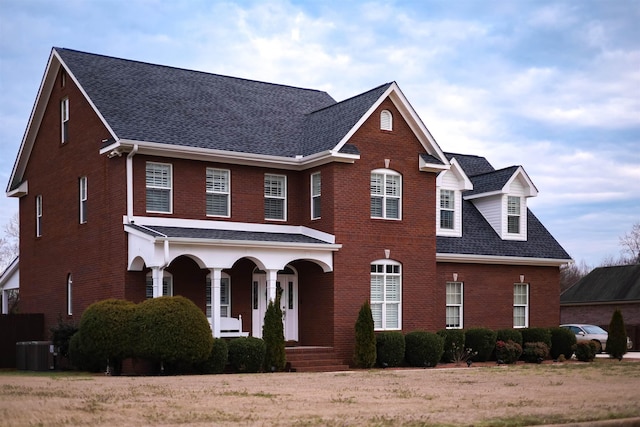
550,85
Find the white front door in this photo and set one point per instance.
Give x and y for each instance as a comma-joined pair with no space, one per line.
287,284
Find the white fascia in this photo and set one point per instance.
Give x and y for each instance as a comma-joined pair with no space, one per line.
462,177
229,157
503,260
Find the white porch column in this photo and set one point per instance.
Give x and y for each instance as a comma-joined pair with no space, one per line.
272,277
216,274
157,274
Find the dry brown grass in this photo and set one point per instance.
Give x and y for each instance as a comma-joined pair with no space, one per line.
480,396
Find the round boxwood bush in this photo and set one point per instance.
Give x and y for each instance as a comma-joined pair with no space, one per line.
586,351
509,334
390,349
217,360
172,330
246,354
105,333
454,349
535,352
482,341
536,335
508,351
423,349
563,342
81,360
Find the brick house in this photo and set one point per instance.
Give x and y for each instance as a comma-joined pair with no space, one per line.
138,180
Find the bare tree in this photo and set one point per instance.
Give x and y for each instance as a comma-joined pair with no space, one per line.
9,242
630,243
571,273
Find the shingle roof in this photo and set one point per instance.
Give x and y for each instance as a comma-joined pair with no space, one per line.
155,103
472,165
490,181
478,238
604,284
216,234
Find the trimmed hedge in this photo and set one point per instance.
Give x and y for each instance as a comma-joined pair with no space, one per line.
390,349
563,342
482,340
586,351
423,349
246,354
536,335
509,334
508,351
535,352
217,360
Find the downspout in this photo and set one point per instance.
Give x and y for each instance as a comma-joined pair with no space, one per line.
130,183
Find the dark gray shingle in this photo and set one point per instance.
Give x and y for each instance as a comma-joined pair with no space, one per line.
604,284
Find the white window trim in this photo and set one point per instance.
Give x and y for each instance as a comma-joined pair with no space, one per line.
224,193
69,294
526,306
457,213
385,173
386,120
460,306
167,282
83,195
170,188
316,196
513,214
384,302
283,197
223,277
64,120
39,215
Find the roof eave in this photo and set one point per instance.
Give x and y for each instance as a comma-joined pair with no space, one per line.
503,260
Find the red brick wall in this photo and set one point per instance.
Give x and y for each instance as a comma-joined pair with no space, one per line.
600,314
95,252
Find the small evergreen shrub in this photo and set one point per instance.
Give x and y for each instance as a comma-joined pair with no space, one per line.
80,359
273,335
217,360
482,341
509,334
423,349
586,351
246,354
508,351
563,342
390,349
536,335
61,335
454,349
617,340
535,352
365,348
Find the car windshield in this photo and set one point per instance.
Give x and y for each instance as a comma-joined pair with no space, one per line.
591,329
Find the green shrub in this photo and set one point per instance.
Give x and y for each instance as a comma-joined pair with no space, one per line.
423,349
61,335
508,351
482,341
536,335
105,333
172,330
563,342
365,349
246,354
586,351
81,360
454,349
217,360
617,340
273,335
390,349
509,334
535,352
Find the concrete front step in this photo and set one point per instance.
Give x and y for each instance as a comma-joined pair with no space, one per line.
313,359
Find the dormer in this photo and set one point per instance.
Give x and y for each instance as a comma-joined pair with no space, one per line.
501,197
449,187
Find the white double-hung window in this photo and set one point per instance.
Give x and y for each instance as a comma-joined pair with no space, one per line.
82,184
513,215
386,194
167,284
386,294
64,120
447,209
225,296
159,187
454,305
316,192
218,192
275,197
520,305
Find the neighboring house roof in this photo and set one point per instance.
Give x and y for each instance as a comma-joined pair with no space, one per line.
10,277
605,284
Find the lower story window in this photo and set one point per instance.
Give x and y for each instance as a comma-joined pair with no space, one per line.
454,305
167,285
386,294
520,305
225,296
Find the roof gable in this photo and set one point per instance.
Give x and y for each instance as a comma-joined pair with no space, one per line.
500,181
604,284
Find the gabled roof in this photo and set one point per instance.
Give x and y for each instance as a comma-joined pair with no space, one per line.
472,165
605,284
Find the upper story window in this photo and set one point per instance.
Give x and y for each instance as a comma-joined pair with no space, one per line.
218,192
521,305
275,197
386,294
316,192
447,209
167,285
386,194
64,120
38,215
513,215
159,187
225,295
454,305
69,294
386,120
82,184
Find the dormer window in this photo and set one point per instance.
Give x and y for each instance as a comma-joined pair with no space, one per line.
447,209
386,120
513,215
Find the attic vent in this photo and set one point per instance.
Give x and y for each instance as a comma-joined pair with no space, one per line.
386,120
